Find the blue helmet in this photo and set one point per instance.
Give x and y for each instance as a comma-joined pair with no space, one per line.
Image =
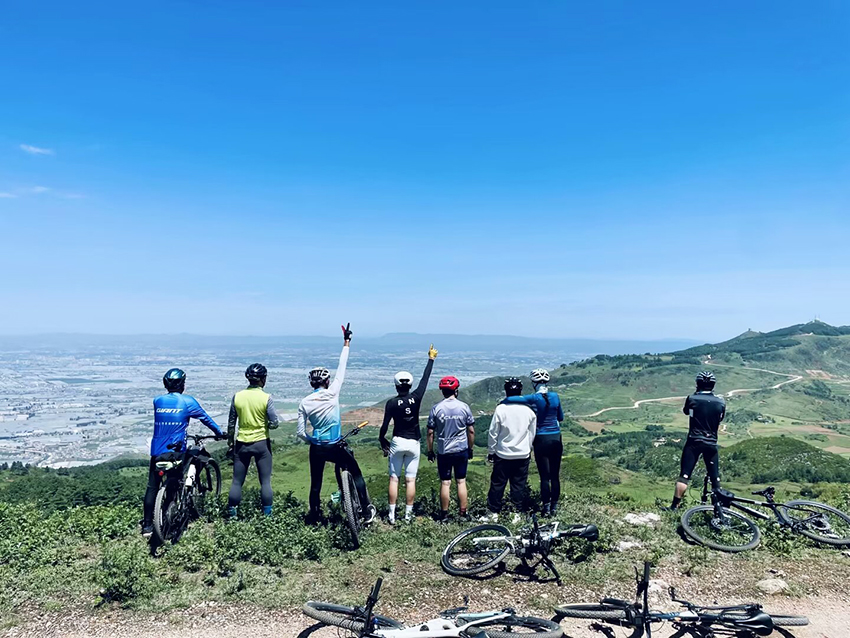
174,380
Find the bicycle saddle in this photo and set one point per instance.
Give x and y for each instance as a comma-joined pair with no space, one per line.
768,491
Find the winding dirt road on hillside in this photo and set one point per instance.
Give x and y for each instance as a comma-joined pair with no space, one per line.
792,378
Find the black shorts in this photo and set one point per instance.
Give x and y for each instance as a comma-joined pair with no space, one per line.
456,461
690,455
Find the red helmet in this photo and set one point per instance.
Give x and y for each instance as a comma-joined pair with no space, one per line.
449,383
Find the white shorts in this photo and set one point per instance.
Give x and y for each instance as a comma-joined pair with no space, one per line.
404,457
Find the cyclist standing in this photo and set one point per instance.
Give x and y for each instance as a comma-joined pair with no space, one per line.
319,425
509,440
253,410
172,412
706,411
405,449
451,423
548,445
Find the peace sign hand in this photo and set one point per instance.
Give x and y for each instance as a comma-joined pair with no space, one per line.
346,332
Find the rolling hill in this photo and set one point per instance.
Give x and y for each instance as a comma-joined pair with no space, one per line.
794,381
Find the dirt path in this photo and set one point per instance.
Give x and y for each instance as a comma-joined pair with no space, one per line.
829,618
792,378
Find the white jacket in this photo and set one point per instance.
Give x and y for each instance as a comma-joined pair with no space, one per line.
512,431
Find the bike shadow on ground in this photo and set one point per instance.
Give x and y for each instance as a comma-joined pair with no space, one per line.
519,574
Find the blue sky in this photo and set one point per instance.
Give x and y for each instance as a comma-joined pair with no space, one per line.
617,169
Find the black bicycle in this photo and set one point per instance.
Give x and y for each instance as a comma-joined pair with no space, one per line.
485,547
719,526
190,482
694,620
349,496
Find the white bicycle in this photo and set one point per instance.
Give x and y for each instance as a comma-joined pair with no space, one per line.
452,623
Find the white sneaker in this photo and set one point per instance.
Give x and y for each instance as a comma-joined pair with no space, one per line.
516,519
489,518
391,520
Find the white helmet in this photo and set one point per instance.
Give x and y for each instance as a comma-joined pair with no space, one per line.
539,376
402,379
319,375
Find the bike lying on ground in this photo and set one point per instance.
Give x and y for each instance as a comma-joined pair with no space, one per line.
349,497
190,482
695,620
720,527
484,547
452,623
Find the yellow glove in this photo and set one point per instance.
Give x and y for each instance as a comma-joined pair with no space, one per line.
432,352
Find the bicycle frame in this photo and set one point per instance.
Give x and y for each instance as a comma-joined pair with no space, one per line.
741,503
443,627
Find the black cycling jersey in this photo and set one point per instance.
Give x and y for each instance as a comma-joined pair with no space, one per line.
403,410
706,411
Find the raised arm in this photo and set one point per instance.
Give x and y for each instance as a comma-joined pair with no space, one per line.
419,392
197,412
271,415
339,377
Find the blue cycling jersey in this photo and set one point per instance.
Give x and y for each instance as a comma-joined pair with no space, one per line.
549,416
172,412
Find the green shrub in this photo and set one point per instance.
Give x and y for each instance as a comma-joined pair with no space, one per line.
127,572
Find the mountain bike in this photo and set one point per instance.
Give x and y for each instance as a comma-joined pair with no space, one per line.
189,482
349,496
452,623
720,527
484,547
694,620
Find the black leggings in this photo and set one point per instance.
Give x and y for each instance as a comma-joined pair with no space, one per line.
150,492
261,452
548,450
343,459
710,456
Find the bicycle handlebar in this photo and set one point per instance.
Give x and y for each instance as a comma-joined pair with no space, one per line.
354,431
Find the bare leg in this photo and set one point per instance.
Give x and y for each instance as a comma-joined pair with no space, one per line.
681,488
393,491
409,488
461,494
445,486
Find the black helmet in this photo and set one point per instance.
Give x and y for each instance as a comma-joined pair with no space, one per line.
256,373
513,386
318,376
706,380
174,380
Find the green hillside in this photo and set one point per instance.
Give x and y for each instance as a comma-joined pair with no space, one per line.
794,381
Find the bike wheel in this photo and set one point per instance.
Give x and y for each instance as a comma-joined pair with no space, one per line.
516,626
720,528
345,617
476,550
591,612
822,523
789,621
160,527
207,488
351,506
